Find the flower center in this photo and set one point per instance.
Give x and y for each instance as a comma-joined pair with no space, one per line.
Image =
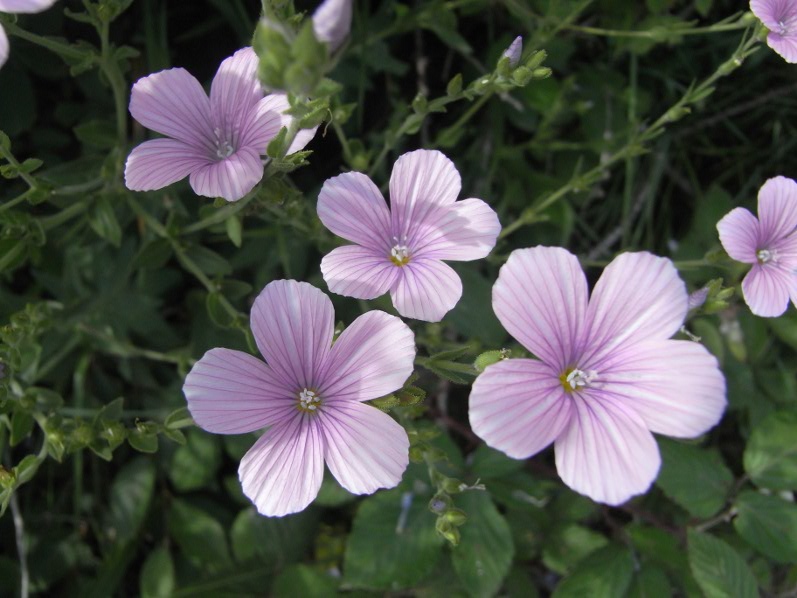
309,401
764,256
400,255
573,378
224,148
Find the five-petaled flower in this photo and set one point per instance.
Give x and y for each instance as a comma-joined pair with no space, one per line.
769,242
216,142
780,17
310,395
14,7
607,373
401,249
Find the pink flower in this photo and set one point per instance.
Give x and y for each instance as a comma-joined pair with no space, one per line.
401,249
215,142
332,22
18,7
780,17
606,373
309,394
770,244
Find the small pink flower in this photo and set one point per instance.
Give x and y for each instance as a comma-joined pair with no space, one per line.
769,243
780,17
400,250
216,142
309,395
606,373
18,7
332,22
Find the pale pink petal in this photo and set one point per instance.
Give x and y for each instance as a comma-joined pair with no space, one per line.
160,162
466,230
785,45
420,183
266,120
514,51
231,392
234,93
173,103
25,6
230,178
282,472
354,271
293,324
365,448
371,358
351,206
606,453
767,288
738,231
777,210
519,407
772,12
426,290
3,46
676,387
541,299
638,297
332,22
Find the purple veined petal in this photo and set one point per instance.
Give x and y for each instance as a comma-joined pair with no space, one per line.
25,6
638,297
606,453
355,271
230,178
519,407
514,51
767,288
265,121
332,22
371,358
231,392
466,230
351,206
541,299
282,472
365,449
426,290
293,324
777,209
774,13
675,386
738,231
233,95
785,45
421,182
158,163
3,46
173,103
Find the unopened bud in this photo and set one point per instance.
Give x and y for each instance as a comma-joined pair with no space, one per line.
514,51
488,358
332,22
456,516
439,503
448,530
542,72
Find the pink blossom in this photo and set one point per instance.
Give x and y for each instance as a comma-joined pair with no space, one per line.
309,394
780,17
18,7
769,243
216,142
606,373
332,22
400,250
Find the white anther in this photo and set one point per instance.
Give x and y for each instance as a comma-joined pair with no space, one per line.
579,378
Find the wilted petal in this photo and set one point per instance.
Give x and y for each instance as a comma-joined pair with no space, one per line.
541,299
606,452
371,358
231,392
230,178
738,232
777,209
293,324
3,46
351,206
365,448
282,472
519,407
466,230
332,22
767,288
234,93
426,290
354,271
25,6
514,51
158,163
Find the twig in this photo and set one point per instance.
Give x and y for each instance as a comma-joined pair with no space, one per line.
19,532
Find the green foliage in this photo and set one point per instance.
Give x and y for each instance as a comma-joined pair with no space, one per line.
718,568
770,457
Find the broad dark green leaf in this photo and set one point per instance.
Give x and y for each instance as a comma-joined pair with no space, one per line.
200,536
606,573
719,570
770,457
195,464
273,541
131,493
157,575
302,580
768,523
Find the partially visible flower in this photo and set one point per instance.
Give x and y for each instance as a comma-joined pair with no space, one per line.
332,22
514,51
606,373
18,7
400,250
780,17
309,394
216,142
769,242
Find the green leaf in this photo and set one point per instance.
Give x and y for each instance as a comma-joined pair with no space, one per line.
210,262
143,440
453,371
605,573
195,464
769,524
200,536
770,458
567,545
303,580
485,552
26,469
218,314
21,426
693,477
102,220
487,463
272,541
157,575
650,582
234,230
131,493
332,494
98,133
719,570
393,543
179,418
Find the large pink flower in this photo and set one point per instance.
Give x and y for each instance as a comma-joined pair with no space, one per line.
309,394
770,244
216,142
400,250
780,17
607,373
18,7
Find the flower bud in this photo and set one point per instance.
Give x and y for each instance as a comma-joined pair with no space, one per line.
514,51
332,22
456,516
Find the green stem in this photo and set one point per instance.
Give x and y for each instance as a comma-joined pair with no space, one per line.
11,255
64,215
13,161
660,33
474,108
13,202
219,215
59,48
116,80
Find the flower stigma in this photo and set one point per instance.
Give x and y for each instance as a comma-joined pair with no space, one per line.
573,378
400,254
764,256
309,401
224,148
